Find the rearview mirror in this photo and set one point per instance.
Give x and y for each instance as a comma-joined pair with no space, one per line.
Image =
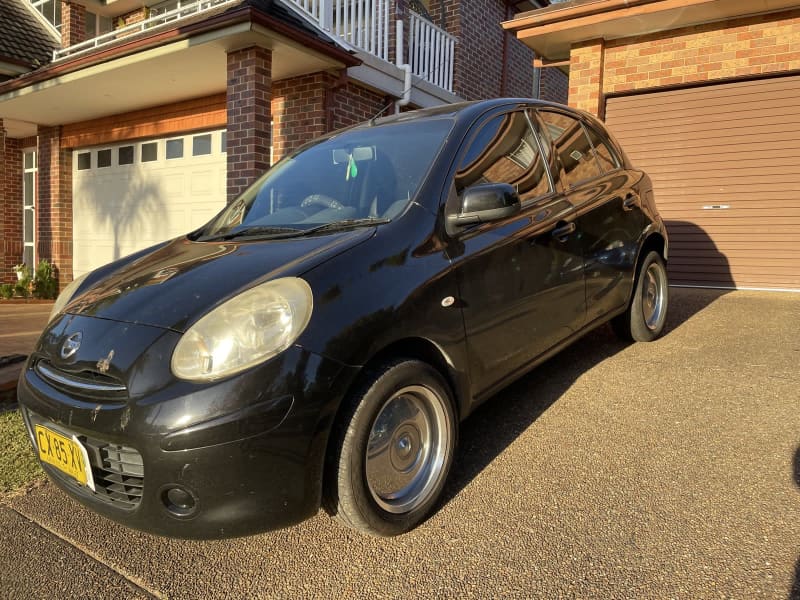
359,154
486,202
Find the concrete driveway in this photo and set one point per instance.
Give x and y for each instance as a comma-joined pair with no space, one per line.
659,470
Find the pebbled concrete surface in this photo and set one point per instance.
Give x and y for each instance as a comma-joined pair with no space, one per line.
669,469
34,563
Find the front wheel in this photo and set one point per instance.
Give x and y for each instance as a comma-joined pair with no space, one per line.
647,314
392,449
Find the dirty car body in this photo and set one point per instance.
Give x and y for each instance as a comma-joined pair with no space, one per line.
319,340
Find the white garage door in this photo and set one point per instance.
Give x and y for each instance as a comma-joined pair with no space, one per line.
129,196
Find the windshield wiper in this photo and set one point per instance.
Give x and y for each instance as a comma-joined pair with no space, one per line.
259,230
275,233
366,221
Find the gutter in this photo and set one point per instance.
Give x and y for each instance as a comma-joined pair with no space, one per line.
556,13
234,17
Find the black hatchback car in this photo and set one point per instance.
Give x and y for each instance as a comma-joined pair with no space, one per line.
319,341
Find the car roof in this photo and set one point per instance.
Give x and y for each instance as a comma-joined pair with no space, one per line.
465,110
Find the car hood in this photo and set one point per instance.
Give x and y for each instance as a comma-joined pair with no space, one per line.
176,284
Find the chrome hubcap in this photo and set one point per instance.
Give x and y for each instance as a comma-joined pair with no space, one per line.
407,448
653,294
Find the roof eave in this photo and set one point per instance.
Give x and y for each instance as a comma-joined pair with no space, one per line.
227,19
551,31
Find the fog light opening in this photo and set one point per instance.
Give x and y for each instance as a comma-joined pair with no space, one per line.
179,501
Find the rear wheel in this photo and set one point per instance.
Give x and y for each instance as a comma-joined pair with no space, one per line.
647,314
392,450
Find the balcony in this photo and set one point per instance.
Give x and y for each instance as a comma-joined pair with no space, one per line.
362,25
366,25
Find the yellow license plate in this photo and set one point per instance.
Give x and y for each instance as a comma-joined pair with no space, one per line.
65,454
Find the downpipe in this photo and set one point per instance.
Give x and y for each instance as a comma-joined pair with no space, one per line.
405,99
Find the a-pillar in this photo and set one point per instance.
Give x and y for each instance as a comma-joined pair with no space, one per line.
586,76
249,116
73,23
54,207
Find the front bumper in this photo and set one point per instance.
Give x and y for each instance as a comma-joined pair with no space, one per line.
248,451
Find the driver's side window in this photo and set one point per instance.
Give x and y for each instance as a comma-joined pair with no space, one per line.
505,150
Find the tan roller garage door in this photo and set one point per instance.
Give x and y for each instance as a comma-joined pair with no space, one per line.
725,164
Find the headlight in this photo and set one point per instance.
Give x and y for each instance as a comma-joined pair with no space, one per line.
244,331
65,296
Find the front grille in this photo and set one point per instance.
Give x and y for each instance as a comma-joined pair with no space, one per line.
117,470
83,384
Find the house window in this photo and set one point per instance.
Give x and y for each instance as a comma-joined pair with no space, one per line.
29,172
150,152
97,25
84,161
104,158
175,148
126,155
224,142
50,10
201,145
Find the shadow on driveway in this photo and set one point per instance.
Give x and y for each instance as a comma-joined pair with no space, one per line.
505,416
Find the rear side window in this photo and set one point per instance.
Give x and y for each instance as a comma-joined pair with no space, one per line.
572,146
504,150
605,156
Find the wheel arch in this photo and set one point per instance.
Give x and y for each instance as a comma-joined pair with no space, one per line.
429,352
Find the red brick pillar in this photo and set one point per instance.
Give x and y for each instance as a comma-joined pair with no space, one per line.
586,76
54,207
298,111
73,23
11,208
249,116
5,275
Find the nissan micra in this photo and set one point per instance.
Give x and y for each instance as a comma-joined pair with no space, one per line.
318,342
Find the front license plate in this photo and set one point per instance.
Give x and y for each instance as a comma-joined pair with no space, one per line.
65,454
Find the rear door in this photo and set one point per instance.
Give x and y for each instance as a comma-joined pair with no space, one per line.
520,278
609,216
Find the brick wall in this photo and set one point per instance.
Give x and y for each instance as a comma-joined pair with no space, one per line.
12,211
554,85
308,106
54,209
478,70
73,24
586,76
249,115
298,111
749,46
352,104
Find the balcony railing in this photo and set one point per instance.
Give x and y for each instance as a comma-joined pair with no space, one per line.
431,51
153,22
363,24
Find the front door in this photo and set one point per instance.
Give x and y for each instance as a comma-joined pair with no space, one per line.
521,278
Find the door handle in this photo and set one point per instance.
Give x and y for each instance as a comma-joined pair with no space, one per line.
561,233
630,202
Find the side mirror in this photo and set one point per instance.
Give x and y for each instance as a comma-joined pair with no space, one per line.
486,202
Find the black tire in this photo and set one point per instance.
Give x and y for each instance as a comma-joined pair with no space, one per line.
647,313
399,423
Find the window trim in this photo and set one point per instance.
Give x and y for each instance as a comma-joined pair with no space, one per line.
32,208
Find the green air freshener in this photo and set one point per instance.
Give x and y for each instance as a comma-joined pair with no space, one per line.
352,169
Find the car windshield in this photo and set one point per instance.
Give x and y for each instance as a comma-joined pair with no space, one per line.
360,177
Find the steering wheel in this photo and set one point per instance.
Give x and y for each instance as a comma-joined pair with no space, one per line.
321,200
